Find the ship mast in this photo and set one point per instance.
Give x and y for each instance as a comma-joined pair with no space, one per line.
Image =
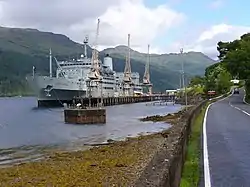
86,40
146,77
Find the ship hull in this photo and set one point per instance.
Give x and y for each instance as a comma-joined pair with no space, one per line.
52,91
57,97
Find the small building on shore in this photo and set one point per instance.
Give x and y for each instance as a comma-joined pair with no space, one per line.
235,81
171,92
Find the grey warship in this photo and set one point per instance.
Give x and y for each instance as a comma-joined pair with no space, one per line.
73,76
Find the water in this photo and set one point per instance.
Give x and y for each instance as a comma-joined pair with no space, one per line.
28,131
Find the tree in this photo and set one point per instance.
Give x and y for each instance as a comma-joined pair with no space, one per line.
238,62
224,47
217,78
235,56
223,81
197,80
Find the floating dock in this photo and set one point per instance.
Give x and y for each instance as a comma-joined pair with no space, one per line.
85,115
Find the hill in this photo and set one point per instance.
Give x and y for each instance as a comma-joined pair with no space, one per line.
20,49
194,62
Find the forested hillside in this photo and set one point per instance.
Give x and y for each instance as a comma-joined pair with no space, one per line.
21,49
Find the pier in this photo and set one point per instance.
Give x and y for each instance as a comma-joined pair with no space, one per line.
91,110
109,101
122,100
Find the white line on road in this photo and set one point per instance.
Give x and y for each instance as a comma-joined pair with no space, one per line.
207,178
239,109
244,99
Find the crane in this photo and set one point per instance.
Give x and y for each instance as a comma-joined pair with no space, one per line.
146,77
94,73
127,69
127,79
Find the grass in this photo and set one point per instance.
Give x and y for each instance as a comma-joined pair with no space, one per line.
191,169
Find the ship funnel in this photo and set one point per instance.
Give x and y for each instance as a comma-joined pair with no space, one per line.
108,62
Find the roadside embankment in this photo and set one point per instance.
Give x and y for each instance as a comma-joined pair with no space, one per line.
165,169
152,160
191,169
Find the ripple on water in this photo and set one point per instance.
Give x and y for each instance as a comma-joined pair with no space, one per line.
36,131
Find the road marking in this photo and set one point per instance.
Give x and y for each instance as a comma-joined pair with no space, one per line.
244,99
237,108
207,178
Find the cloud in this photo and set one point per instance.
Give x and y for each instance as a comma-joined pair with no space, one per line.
217,4
118,18
78,18
207,40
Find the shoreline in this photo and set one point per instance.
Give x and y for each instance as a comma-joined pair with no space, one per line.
18,95
117,163
120,163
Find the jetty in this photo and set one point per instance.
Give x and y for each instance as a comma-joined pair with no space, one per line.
109,101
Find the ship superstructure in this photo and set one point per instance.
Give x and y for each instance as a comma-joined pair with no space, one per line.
136,87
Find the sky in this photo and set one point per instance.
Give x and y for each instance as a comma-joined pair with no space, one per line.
167,25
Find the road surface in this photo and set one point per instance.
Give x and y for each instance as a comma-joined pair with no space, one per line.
227,141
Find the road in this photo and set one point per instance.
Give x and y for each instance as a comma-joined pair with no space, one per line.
227,142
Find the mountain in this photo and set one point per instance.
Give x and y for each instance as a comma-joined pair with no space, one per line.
21,49
194,62
164,68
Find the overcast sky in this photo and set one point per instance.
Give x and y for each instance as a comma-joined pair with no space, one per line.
166,25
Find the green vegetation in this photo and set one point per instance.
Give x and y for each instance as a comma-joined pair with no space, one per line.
194,62
241,84
235,57
191,169
216,78
20,49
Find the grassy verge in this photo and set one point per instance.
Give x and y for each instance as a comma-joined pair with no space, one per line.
191,169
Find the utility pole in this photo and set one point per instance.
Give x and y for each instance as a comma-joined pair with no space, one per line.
183,77
180,79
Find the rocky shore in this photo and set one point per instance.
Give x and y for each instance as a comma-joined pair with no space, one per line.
116,164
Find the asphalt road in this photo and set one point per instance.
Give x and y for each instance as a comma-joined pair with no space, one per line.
228,143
